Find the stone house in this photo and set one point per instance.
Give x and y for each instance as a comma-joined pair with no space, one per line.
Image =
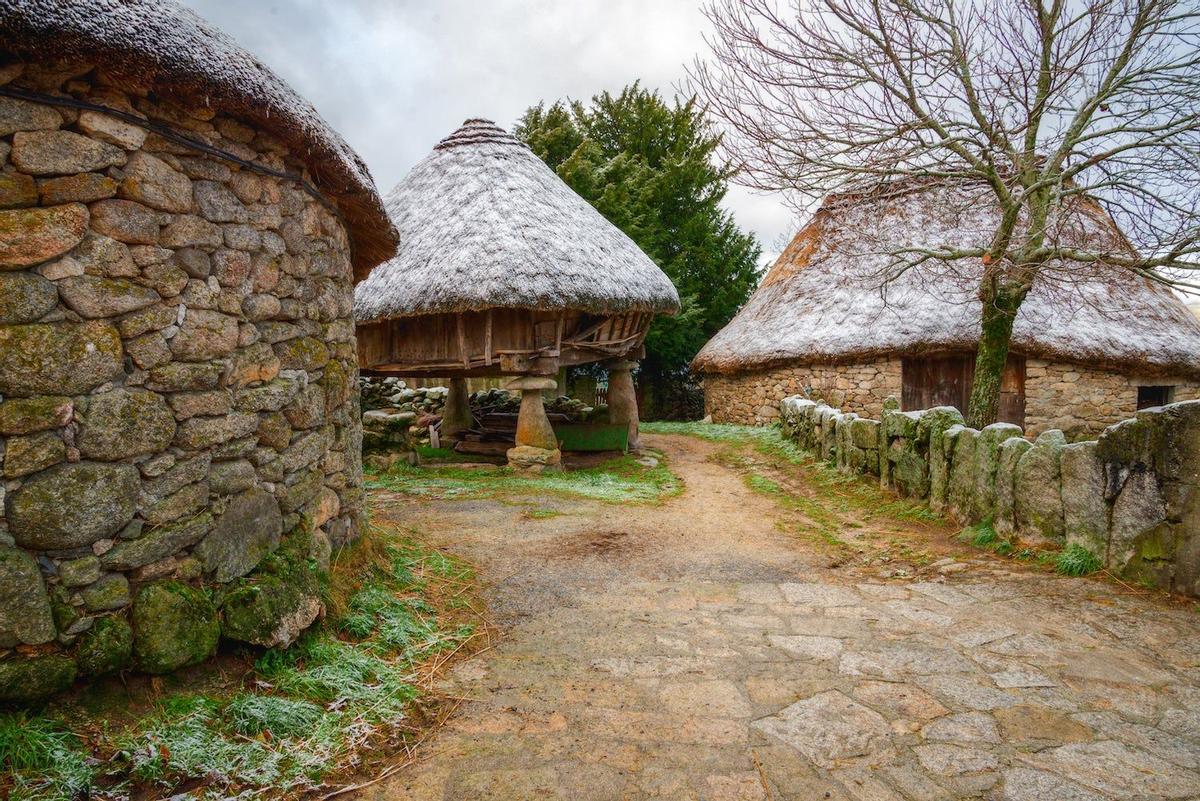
842,318
180,235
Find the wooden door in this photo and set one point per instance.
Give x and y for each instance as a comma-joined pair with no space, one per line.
945,380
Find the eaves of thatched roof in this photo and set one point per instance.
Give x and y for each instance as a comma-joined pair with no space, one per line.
161,47
835,294
484,223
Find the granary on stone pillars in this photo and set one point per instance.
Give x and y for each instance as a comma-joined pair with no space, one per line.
837,319
179,238
504,270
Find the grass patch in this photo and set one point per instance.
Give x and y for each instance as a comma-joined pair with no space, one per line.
40,758
1075,560
540,514
621,479
291,720
444,455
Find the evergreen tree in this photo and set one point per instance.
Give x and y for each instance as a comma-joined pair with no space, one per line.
649,168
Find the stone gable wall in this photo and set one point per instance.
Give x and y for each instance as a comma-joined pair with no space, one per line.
178,388
754,398
1130,497
1082,402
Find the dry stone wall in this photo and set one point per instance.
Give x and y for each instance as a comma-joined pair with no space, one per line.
1082,402
1130,497
754,398
178,403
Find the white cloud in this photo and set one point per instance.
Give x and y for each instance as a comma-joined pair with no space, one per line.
395,76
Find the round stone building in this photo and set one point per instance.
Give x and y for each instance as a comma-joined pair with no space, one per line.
179,434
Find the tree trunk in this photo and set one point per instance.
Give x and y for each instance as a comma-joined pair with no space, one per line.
999,312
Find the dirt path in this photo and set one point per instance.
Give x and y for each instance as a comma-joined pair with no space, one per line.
694,650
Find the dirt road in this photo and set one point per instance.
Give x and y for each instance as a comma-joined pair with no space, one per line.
701,650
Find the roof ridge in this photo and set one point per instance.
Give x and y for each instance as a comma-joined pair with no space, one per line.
478,131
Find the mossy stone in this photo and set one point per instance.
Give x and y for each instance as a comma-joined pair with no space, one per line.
25,612
23,680
124,423
302,353
63,358
110,592
25,297
72,505
174,625
106,647
283,598
29,415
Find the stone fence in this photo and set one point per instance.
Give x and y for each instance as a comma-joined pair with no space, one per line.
1130,497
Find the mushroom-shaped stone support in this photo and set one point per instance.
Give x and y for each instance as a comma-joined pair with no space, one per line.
622,401
537,446
456,417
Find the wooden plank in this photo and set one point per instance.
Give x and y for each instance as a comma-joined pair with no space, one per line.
462,341
487,340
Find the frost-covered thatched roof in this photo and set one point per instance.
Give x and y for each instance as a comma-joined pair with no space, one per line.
160,46
484,223
826,298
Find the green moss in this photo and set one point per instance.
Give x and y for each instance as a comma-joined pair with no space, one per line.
174,625
28,679
106,647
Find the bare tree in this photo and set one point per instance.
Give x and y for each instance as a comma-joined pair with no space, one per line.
1052,104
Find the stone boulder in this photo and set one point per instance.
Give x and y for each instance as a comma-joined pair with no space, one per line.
106,647
174,625
273,606
26,679
123,423
249,529
1037,484
25,297
25,616
1011,451
987,459
32,236
58,358
73,505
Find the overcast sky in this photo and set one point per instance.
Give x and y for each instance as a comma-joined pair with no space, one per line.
395,76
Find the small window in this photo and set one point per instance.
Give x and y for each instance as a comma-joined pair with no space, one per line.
1149,397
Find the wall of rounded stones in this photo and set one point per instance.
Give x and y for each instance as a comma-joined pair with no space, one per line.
1129,497
754,398
178,401
1082,402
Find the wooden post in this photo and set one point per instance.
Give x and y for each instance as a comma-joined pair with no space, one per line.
622,401
537,446
456,417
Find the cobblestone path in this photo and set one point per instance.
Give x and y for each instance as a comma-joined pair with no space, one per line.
695,650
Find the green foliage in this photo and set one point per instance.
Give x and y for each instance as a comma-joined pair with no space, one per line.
981,535
649,167
251,714
1075,560
40,759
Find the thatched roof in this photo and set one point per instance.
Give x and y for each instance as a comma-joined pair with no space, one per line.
484,223
825,299
162,47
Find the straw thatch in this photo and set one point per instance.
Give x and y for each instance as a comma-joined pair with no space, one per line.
484,223
834,295
161,47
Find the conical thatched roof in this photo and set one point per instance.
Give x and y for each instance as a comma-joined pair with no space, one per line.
484,223
824,300
161,47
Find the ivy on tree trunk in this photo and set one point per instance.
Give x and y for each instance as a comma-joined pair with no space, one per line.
999,312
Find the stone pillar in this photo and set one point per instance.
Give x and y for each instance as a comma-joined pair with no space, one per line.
456,416
622,400
537,446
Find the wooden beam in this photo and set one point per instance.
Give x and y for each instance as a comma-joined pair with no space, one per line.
487,340
462,341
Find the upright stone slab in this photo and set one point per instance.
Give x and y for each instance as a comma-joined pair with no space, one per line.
933,427
1037,484
1085,513
987,455
1011,451
456,414
961,443
537,446
622,399
25,617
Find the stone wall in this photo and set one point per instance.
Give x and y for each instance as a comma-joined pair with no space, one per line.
754,398
1082,402
1130,497
1079,401
178,401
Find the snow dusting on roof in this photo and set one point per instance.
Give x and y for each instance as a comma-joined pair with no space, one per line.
159,45
484,223
836,295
